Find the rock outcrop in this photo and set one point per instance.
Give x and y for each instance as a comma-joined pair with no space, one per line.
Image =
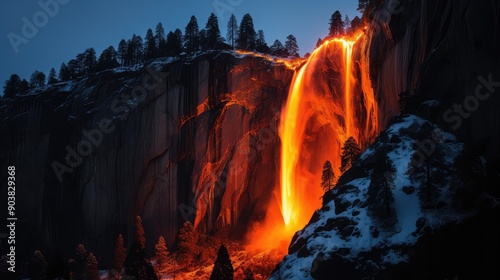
386,219
442,58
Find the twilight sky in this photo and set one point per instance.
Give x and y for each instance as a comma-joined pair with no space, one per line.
72,26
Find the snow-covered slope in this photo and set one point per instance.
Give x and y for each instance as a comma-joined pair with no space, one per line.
365,227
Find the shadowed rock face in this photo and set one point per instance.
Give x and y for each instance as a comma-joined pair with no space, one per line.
441,51
185,140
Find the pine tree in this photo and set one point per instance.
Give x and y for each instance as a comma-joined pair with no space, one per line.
174,43
428,166
191,36
350,154
151,46
246,34
57,268
64,74
38,266
24,86
291,46
347,24
232,30
37,79
203,40
319,42
336,24
161,254
380,196
327,177
52,79
213,32
356,23
119,259
223,268
137,264
260,43
107,59
73,69
89,61
80,259
278,49
11,87
368,7
186,243
91,268
138,54
161,42
139,232
122,51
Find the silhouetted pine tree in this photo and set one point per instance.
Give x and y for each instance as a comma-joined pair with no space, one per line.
327,176
77,264
24,86
161,255
347,24
232,30
119,258
428,166
37,79
356,23
91,268
336,24
151,50
11,87
160,40
139,232
367,7
191,36
246,34
278,49
350,154
137,264
203,40
319,42
122,51
89,61
186,243
260,43
107,59
57,268
291,46
213,36
52,79
38,266
223,268
174,43
380,196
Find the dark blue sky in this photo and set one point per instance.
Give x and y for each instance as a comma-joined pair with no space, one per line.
78,25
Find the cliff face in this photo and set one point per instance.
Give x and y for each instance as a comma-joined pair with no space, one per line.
442,56
172,141
438,60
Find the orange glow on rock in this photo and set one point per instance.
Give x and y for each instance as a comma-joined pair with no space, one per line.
290,63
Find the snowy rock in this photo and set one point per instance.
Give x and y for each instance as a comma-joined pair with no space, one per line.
354,236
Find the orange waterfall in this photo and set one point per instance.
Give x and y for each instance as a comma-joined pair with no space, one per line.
330,99
323,109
